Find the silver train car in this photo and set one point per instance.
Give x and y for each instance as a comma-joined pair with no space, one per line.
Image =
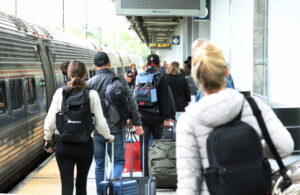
30,56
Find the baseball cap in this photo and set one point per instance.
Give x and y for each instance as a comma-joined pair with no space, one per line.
101,59
153,59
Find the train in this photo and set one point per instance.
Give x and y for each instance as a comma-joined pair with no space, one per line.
30,58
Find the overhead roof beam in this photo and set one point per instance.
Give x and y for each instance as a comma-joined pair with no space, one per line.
160,25
161,22
138,23
160,30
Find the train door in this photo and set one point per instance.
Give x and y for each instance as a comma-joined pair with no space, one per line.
121,72
48,72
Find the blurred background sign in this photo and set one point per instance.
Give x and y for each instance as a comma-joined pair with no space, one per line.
159,45
175,40
155,7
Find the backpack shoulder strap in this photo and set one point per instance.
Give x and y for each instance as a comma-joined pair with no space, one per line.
263,127
107,82
87,94
121,79
64,96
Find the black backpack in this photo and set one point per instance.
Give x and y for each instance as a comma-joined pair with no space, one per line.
237,164
116,100
75,122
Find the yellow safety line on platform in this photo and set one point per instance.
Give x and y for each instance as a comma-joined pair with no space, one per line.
45,182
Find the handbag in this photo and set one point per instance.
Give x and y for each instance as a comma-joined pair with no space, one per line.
132,146
283,184
294,173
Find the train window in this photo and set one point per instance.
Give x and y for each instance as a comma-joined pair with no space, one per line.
16,93
30,90
120,70
127,68
3,102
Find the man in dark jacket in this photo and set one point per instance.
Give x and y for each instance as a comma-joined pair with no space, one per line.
64,70
98,82
154,118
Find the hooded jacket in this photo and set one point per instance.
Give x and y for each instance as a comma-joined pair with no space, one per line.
98,82
202,117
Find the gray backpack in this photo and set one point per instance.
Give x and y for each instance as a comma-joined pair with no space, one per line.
116,100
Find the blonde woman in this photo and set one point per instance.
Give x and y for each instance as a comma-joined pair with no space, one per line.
219,106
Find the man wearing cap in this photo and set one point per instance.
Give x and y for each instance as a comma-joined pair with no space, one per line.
98,82
64,70
154,118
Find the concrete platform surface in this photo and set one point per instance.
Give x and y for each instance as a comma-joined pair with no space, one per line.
45,180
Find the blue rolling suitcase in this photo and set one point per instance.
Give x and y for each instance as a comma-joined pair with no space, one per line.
117,186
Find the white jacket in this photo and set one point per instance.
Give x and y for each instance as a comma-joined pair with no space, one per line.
100,121
199,120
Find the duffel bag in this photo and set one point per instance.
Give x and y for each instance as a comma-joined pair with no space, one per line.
162,163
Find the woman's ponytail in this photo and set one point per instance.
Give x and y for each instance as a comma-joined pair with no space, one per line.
77,71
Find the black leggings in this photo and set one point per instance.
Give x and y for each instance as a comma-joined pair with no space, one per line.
67,155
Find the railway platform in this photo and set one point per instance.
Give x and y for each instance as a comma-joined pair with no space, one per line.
45,180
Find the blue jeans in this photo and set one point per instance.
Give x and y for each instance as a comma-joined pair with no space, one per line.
99,155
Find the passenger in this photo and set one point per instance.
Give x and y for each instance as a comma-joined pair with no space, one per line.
128,78
197,44
179,87
188,77
64,69
229,80
164,67
70,154
219,106
103,75
186,68
156,116
189,62
132,73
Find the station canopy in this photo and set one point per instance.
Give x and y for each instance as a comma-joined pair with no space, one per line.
155,21
154,29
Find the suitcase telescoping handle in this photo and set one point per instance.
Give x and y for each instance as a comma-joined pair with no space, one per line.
106,177
131,133
171,128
